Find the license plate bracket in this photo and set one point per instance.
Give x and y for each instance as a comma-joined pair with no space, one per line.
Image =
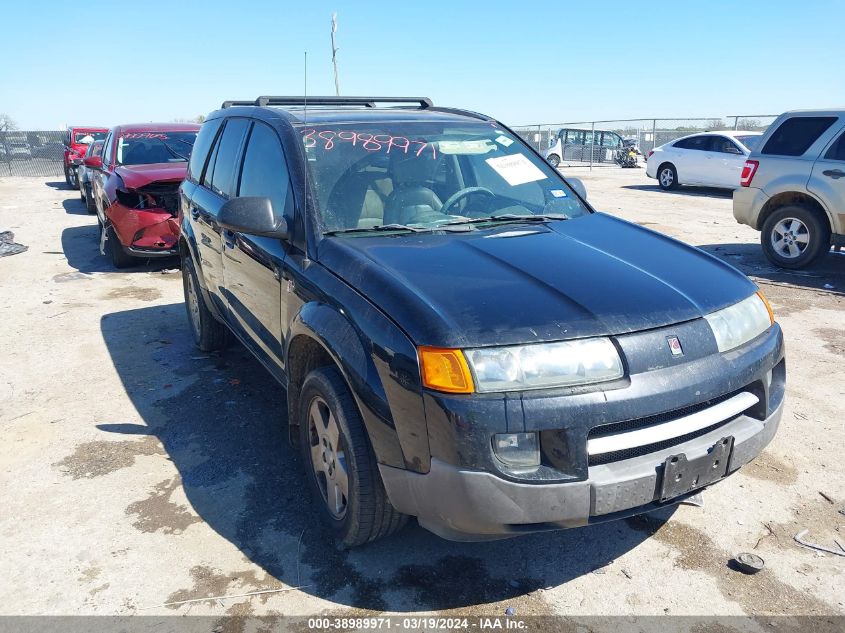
682,475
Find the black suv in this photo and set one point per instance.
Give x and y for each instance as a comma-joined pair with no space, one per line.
461,336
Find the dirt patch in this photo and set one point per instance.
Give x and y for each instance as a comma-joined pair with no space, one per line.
132,292
158,513
834,339
89,574
759,594
210,582
95,459
769,468
817,515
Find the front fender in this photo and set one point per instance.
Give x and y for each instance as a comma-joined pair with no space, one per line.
379,364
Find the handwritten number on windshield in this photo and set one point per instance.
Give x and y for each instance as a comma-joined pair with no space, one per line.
329,139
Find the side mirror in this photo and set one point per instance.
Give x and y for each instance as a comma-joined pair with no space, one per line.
578,185
94,162
252,215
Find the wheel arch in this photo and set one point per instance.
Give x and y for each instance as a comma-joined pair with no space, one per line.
321,336
792,197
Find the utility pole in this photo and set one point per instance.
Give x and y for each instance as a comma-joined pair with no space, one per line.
334,55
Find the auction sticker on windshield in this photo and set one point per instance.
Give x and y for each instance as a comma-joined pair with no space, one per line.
516,169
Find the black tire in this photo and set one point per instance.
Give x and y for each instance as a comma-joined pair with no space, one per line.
82,191
553,160
72,178
667,177
67,177
368,515
119,258
89,199
795,236
209,334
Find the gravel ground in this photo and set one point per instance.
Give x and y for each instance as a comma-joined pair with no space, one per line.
136,471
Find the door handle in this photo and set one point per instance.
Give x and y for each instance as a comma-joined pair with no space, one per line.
229,238
834,173
195,213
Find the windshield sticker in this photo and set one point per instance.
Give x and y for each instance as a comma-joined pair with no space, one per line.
504,140
558,193
481,146
516,169
330,139
149,135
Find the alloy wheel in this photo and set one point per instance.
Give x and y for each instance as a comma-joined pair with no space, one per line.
193,304
790,238
667,177
328,457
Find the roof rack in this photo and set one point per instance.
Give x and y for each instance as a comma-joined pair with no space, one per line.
369,102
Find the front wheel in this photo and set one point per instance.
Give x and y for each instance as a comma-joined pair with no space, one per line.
794,237
553,160
110,242
667,176
72,178
341,466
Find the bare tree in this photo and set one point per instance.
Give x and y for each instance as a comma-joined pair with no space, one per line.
7,123
748,124
715,124
197,119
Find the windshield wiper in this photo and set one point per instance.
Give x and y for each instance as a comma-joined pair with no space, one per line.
174,152
380,227
512,217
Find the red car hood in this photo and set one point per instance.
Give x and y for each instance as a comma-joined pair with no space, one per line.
135,176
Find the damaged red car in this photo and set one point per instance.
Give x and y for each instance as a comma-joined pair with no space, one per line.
77,140
136,189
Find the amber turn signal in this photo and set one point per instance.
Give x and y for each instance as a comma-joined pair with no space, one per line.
445,370
768,307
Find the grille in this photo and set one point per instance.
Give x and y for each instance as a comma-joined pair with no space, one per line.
628,453
641,423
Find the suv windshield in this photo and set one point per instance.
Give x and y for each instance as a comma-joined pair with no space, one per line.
428,174
97,136
146,148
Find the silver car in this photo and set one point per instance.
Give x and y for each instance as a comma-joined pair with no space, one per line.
793,187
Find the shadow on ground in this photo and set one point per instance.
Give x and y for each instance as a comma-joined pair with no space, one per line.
75,206
59,184
221,420
685,190
81,246
828,274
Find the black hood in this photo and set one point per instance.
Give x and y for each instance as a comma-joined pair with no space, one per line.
522,283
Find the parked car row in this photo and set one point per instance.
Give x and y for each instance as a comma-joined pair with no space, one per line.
130,179
787,182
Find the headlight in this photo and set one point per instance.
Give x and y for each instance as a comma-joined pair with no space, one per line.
544,365
737,324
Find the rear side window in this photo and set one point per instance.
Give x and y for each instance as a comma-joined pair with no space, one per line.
265,172
725,145
107,149
222,179
796,135
701,143
201,146
837,150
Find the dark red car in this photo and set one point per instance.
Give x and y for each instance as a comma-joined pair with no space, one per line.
136,189
77,140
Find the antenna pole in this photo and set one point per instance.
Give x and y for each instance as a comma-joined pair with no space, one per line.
334,55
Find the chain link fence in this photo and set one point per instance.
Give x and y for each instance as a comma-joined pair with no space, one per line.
596,143
32,153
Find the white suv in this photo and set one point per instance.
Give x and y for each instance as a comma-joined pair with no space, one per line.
793,187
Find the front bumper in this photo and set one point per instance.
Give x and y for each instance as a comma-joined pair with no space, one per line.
469,505
469,495
145,233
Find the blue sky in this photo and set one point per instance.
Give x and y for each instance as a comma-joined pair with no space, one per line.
523,62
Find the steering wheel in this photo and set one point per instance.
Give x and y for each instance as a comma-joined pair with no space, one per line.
463,193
